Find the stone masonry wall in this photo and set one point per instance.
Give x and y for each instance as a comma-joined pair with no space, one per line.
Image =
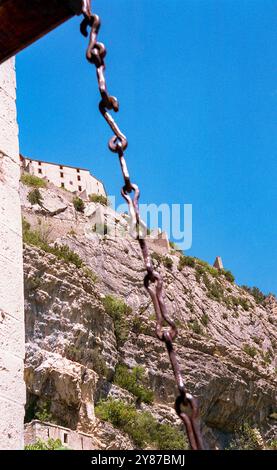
72,439
12,388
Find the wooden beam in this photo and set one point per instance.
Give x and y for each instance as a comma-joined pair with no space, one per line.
24,21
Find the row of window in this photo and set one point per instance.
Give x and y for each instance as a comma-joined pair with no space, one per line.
40,163
79,187
61,174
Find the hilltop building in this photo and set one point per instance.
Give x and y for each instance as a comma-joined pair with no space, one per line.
73,179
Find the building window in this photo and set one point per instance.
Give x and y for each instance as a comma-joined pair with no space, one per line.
79,188
61,174
61,167
40,171
78,170
62,185
65,438
39,163
79,178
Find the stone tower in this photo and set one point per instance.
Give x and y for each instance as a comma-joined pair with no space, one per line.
12,388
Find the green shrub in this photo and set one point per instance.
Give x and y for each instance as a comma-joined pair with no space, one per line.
63,252
34,282
266,356
258,295
207,268
246,438
257,340
139,326
205,319
196,327
35,197
190,306
215,290
51,444
78,204
133,381
43,412
272,445
228,275
250,350
33,181
118,311
89,274
31,237
142,428
186,261
167,262
136,326
242,301
156,256
99,198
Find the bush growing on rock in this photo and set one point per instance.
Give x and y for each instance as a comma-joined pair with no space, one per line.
35,197
62,252
196,327
186,261
229,276
258,295
99,198
250,350
142,428
167,262
44,414
205,319
78,204
118,311
34,181
51,444
246,438
156,256
133,381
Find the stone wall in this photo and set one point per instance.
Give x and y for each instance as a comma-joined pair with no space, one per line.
12,388
72,439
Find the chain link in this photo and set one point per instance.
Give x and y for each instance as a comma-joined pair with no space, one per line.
185,405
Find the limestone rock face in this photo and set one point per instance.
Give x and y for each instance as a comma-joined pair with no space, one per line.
226,343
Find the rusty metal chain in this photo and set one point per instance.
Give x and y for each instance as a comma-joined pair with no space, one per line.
185,405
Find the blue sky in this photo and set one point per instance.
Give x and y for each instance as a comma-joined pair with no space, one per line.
197,86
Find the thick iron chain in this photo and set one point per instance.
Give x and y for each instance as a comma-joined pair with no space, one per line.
153,281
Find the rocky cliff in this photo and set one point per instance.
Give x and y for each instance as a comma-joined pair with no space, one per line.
76,344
